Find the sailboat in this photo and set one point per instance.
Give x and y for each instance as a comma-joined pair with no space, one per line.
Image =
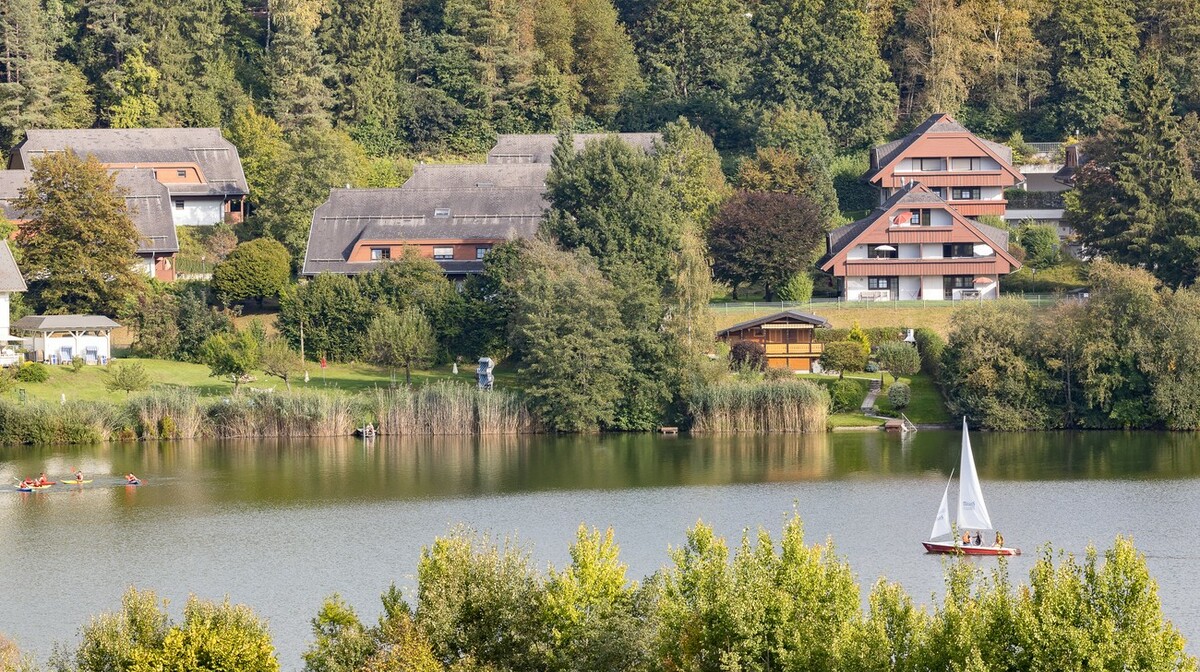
972,512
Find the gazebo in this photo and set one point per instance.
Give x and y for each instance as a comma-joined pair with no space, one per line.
57,339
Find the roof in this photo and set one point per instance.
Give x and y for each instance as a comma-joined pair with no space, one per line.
354,215
149,205
912,194
217,157
478,175
941,123
64,323
148,201
539,147
11,182
807,318
10,274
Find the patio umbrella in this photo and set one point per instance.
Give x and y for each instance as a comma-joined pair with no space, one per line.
983,281
884,248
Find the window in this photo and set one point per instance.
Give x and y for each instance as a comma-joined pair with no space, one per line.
873,252
480,251
235,206
441,213
443,253
879,283
959,281
940,192
921,218
952,250
181,173
966,193
967,163
928,165
179,204
381,253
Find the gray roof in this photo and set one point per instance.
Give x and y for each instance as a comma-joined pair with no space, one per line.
465,176
217,157
64,323
351,215
149,205
10,275
882,155
815,320
539,147
910,194
11,182
148,201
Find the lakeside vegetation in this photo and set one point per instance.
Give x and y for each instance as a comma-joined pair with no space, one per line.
762,604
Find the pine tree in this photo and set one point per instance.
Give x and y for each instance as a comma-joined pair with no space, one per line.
1009,64
77,240
1092,59
365,40
27,70
1171,32
296,70
604,64
1137,201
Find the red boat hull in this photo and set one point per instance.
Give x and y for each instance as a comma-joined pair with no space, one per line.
960,549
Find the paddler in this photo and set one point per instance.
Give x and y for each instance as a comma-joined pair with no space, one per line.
42,480
131,479
78,475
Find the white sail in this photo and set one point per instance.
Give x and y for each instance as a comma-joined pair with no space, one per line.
972,512
941,524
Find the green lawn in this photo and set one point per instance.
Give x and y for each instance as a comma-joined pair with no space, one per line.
88,383
926,406
853,420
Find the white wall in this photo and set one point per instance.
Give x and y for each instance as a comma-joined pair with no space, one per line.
1043,182
908,251
940,218
78,346
932,288
4,316
991,193
854,285
145,264
198,211
931,251
857,252
910,287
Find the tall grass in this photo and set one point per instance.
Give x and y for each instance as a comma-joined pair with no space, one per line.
70,422
293,415
759,406
169,413
446,408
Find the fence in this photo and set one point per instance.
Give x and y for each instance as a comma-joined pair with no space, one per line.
1037,300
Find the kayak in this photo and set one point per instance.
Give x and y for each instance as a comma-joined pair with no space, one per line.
133,482
76,482
31,488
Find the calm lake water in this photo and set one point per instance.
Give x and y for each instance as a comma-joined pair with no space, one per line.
281,525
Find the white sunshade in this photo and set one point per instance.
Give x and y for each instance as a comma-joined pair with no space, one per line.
884,248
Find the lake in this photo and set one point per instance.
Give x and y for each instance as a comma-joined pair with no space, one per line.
280,525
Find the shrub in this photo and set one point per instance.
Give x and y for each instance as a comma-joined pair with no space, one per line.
747,356
930,346
843,356
256,269
847,395
898,358
77,363
33,372
899,394
799,288
857,335
876,335
126,377
773,373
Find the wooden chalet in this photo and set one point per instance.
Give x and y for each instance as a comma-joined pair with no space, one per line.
966,171
786,337
916,246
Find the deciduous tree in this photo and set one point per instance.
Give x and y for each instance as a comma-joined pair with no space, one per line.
257,269
402,338
764,239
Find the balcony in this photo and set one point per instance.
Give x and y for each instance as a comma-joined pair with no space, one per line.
795,348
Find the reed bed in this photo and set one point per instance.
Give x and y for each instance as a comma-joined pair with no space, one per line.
786,406
446,408
48,423
169,413
293,415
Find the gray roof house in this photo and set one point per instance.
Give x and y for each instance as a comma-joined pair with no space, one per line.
10,282
201,169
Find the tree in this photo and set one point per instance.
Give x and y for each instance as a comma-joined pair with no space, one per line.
197,322
133,88
325,317
365,40
898,358
1136,199
296,70
413,280
261,147
77,240
843,356
126,377
256,269
572,368
156,324
799,288
784,171
1009,63
400,339
232,354
604,64
1093,57
938,37
691,171
278,359
26,69
609,200
764,238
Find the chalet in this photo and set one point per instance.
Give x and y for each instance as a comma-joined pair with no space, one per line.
11,282
453,214
201,169
966,171
786,337
58,339
149,205
918,246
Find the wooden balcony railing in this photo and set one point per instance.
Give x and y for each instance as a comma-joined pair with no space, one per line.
795,348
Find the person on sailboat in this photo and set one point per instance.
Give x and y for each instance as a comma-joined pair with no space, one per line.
978,538
999,539
966,538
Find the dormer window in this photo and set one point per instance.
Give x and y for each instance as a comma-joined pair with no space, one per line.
929,165
967,163
180,173
443,253
441,213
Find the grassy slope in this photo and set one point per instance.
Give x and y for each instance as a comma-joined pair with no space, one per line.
926,405
936,317
88,383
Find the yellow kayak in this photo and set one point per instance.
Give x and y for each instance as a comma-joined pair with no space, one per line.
76,482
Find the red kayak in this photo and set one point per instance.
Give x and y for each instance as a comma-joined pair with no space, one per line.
960,549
